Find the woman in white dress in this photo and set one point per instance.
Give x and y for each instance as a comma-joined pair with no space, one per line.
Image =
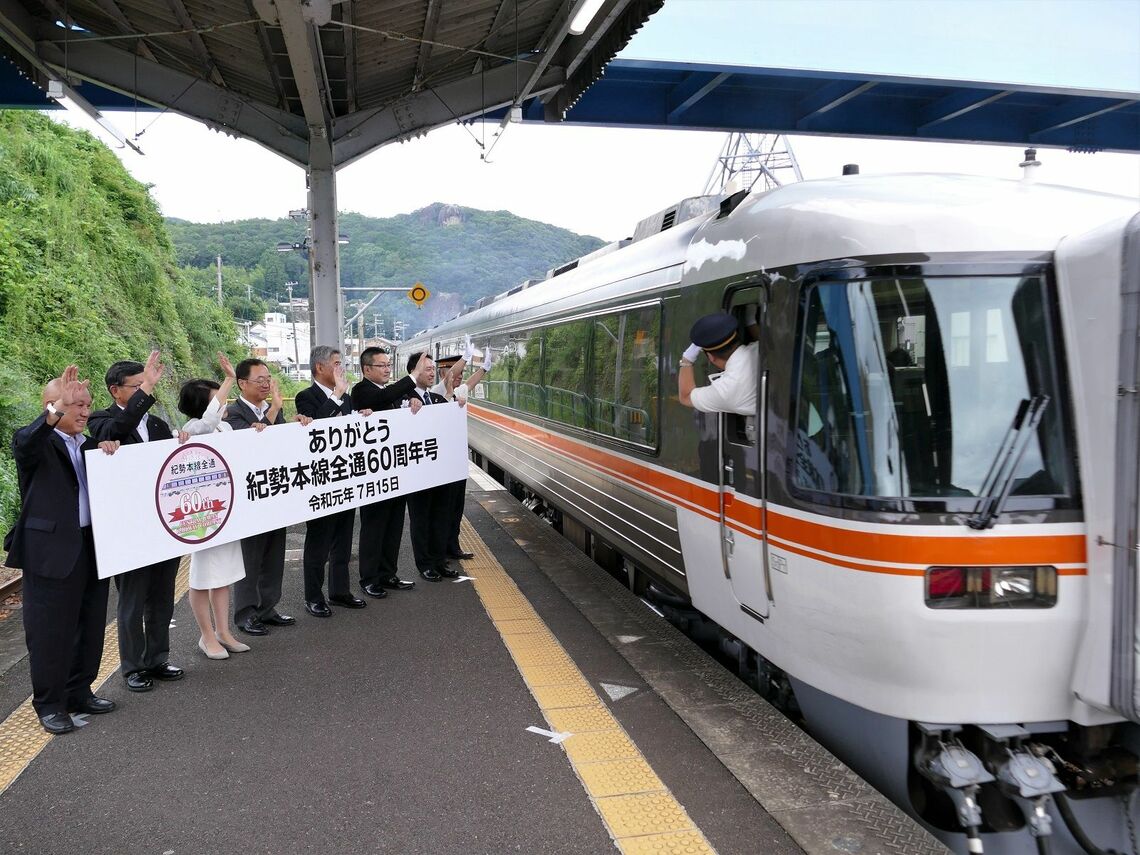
212,570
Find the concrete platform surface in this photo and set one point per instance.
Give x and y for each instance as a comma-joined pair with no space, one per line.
398,728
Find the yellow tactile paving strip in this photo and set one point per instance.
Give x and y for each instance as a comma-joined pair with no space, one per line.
22,738
640,813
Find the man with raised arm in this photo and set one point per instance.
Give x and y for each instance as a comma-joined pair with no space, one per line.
146,595
256,596
381,523
328,539
65,601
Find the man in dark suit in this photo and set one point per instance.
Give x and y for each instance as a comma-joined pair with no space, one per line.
146,595
256,596
65,602
428,509
381,523
328,539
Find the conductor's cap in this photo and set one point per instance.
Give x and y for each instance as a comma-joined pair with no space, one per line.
712,332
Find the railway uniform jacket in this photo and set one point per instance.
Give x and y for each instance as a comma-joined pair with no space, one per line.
46,538
366,395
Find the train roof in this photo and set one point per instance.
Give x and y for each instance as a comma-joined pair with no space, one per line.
834,218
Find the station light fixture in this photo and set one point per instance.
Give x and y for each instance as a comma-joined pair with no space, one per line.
585,14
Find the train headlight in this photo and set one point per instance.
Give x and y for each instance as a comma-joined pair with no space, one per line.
991,587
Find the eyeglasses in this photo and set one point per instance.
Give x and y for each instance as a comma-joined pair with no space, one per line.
128,385
261,381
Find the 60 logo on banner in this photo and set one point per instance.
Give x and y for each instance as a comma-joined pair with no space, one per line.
194,493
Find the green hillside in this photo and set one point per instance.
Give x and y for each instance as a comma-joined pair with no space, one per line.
460,254
87,275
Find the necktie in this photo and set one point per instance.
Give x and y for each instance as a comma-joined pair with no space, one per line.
77,462
427,397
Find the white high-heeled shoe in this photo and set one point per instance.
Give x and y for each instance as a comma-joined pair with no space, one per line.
209,655
236,647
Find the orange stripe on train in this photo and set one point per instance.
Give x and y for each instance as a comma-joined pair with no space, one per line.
975,549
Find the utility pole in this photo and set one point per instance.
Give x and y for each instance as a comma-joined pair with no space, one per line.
219,280
293,320
376,325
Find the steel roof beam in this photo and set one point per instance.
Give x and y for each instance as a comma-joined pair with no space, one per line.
827,98
111,10
691,90
354,136
348,12
118,70
431,24
954,105
209,67
267,55
303,47
1074,113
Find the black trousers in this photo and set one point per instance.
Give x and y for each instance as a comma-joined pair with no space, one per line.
64,625
328,540
381,530
456,496
428,514
146,605
257,595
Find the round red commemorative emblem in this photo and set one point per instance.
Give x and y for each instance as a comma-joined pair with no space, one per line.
194,493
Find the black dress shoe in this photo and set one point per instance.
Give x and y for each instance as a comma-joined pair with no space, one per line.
447,572
252,626
430,575
57,722
348,601
397,584
374,590
138,681
166,671
278,619
319,609
92,706
462,556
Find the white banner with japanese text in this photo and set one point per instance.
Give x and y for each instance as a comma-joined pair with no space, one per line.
157,500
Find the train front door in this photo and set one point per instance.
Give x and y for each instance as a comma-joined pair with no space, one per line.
742,479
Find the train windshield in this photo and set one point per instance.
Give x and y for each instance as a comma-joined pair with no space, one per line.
908,387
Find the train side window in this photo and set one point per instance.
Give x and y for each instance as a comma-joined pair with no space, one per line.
497,385
526,372
564,381
625,367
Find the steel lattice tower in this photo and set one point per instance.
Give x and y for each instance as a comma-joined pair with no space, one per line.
763,160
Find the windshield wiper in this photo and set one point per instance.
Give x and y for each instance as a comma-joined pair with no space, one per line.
999,480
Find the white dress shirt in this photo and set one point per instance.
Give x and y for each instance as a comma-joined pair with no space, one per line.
141,426
734,391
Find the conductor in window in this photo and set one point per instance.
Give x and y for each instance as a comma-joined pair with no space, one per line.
719,338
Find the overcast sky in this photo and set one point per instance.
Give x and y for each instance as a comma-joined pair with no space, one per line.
601,181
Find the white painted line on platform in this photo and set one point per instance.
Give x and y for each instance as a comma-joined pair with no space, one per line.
629,639
552,735
616,691
465,579
482,479
79,719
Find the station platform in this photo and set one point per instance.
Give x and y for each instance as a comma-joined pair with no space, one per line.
534,706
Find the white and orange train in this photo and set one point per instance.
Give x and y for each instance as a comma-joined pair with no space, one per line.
926,537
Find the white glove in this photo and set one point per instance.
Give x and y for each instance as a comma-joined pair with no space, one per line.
487,359
468,349
750,314
691,353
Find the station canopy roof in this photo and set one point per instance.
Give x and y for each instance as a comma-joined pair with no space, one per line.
360,73
363,73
